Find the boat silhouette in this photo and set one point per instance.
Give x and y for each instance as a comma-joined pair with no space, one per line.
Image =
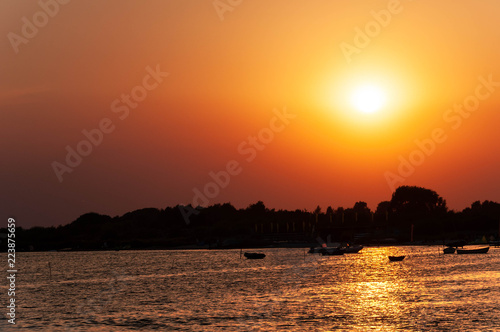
254,255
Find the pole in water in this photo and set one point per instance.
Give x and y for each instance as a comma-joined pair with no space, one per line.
50,271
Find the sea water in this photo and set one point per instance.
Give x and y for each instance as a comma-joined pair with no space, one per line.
289,290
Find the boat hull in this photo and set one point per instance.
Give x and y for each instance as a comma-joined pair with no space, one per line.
353,249
332,252
396,258
254,255
473,251
319,250
449,250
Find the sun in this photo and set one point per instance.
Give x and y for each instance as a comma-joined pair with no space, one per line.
368,99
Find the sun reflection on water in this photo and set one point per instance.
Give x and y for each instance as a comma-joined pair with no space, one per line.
367,289
215,290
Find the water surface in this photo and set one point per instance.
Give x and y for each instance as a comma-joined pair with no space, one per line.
215,290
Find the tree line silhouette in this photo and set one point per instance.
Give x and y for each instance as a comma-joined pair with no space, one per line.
224,226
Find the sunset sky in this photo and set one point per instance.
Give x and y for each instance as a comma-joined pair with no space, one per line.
354,84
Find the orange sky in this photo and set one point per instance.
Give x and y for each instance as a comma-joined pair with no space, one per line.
225,78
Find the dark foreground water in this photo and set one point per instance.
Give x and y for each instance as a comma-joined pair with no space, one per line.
288,290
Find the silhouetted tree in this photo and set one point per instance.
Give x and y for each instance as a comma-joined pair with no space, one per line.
329,210
383,211
383,207
362,212
339,212
220,224
360,207
417,201
258,208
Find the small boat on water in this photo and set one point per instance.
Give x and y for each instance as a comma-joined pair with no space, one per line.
254,255
473,251
318,250
449,250
327,246
353,249
335,248
396,258
332,251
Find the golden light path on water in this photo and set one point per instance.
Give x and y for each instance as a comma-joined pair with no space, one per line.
289,290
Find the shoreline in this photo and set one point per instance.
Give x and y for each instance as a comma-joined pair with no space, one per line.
285,246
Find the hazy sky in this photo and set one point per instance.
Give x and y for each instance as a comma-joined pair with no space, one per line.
170,91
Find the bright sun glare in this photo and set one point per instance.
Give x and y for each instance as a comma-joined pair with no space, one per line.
368,99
